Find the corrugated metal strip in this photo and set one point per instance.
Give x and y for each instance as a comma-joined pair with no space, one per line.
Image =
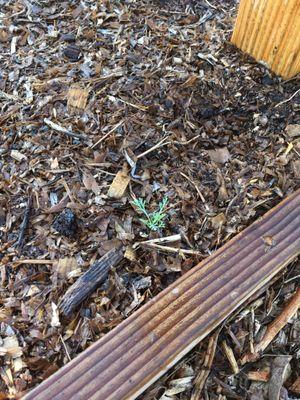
269,30
127,360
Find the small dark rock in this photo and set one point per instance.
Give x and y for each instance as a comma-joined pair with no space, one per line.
266,80
72,52
68,37
66,223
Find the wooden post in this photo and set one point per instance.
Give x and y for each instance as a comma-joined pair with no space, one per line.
269,30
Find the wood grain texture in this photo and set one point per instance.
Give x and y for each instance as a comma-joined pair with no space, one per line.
268,30
127,360
87,283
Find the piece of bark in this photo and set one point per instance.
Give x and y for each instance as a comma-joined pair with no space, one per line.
24,225
88,282
280,371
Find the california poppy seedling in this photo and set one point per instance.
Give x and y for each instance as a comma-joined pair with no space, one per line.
155,220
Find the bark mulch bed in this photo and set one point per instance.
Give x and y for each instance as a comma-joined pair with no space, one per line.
102,103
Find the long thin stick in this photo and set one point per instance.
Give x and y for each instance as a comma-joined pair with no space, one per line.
159,144
107,134
195,186
61,129
171,249
33,261
287,100
166,239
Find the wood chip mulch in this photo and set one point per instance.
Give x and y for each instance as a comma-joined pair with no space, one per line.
102,103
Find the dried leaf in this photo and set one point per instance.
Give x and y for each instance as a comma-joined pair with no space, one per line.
190,82
3,35
295,388
65,266
218,221
220,155
130,254
269,241
293,130
11,347
90,183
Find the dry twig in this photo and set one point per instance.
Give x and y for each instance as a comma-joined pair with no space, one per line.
287,100
107,134
61,129
171,249
157,146
197,189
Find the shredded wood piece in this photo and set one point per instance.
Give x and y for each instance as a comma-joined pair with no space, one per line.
231,358
200,379
274,328
260,376
77,98
119,185
61,129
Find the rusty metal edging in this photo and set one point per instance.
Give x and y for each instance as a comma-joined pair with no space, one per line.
128,359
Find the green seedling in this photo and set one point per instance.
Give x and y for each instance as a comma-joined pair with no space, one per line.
154,220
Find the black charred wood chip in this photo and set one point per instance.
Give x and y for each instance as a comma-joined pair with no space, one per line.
66,223
72,52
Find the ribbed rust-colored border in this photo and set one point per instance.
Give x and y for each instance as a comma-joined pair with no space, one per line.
127,360
268,30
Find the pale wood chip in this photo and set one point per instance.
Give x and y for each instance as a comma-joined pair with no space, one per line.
119,185
77,98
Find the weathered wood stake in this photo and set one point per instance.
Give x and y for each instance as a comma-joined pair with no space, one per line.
88,282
